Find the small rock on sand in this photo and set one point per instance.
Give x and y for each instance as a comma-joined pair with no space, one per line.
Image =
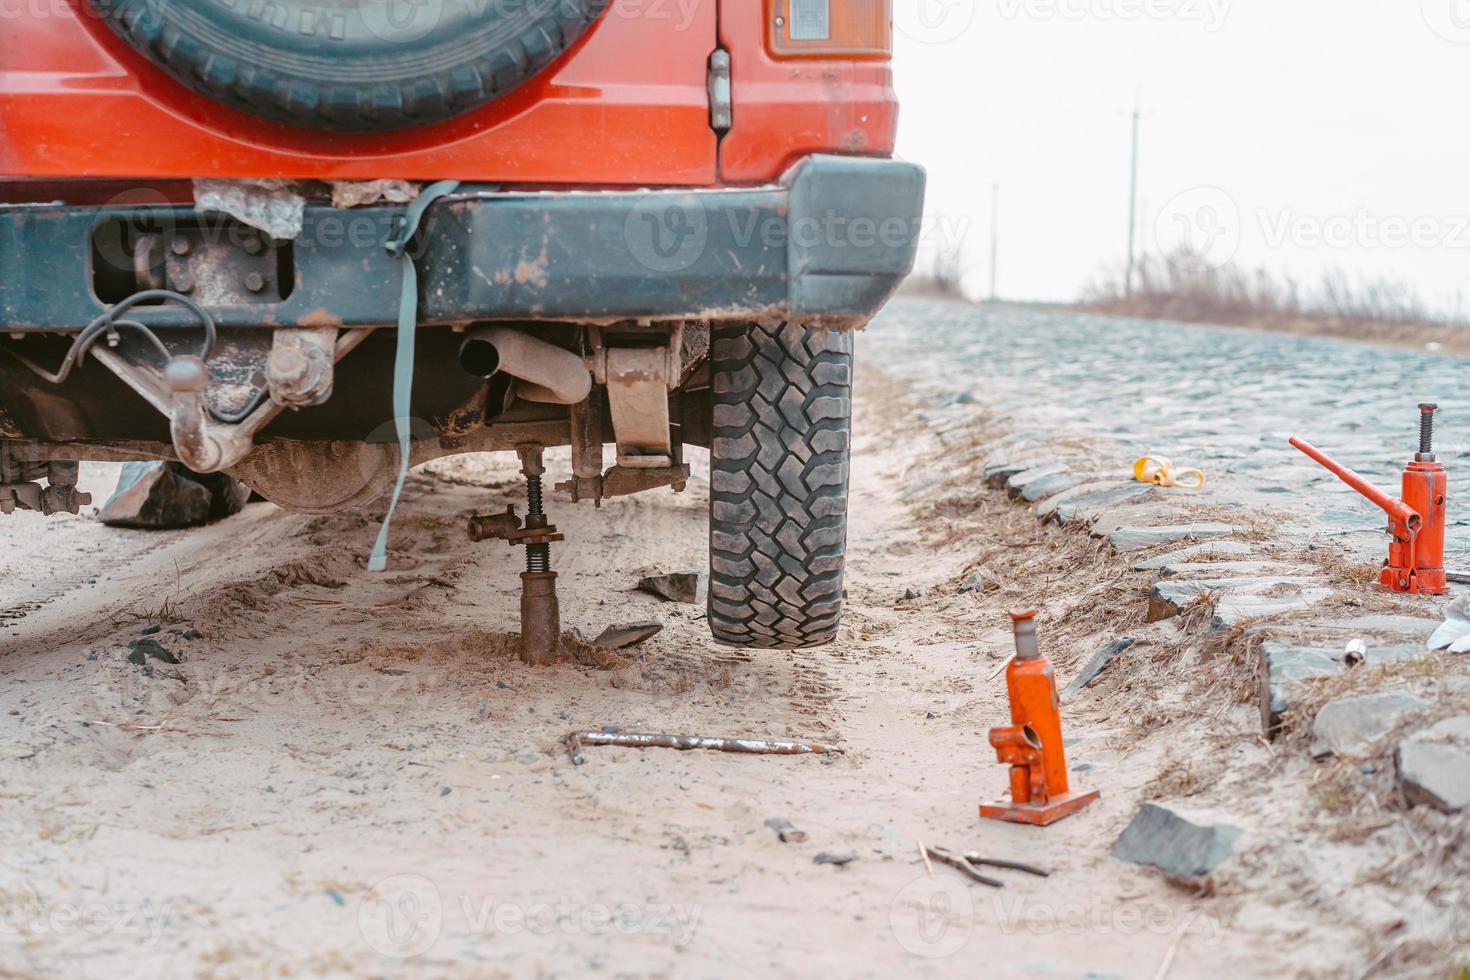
1434,765
1161,838
626,635
676,587
1351,726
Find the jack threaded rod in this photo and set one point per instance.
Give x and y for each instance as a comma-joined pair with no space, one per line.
1426,429
538,556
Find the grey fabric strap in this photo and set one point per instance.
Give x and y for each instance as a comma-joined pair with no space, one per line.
408,316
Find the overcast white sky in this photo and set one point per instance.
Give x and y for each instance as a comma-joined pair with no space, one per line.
1324,133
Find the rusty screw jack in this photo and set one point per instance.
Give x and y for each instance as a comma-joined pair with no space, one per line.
540,614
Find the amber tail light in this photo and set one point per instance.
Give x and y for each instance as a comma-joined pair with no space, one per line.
828,28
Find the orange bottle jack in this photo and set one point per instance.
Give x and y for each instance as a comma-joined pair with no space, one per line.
1032,744
1416,522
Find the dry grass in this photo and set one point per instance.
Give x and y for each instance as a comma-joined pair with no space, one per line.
1376,310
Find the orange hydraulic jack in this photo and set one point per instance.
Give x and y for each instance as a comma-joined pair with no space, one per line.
1032,744
1416,522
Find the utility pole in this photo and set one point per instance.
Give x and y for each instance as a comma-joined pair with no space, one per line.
994,236
1132,199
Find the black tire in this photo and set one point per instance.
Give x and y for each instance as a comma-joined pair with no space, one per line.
351,65
782,407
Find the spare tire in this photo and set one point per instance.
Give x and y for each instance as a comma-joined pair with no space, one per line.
351,65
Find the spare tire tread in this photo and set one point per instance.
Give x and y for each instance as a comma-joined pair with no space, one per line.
420,88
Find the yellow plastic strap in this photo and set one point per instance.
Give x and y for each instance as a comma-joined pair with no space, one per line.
1160,471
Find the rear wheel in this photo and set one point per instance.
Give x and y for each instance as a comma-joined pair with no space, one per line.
782,404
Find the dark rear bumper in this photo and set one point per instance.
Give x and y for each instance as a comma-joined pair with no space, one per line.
828,245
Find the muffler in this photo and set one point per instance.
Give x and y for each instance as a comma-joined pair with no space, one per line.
547,373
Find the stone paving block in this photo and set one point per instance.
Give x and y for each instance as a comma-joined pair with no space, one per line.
1393,654
1397,625
1284,666
1281,671
1170,597
1218,569
1434,765
996,474
1087,508
1137,514
1233,610
1048,507
1161,837
1134,538
1048,485
1204,551
1349,727
1018,480
1098,661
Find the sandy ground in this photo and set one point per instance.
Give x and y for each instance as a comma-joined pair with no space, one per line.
351,774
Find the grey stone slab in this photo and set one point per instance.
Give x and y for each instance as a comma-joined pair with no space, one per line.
1393,653
1048,507
1162,838
995,475
1168,598
1018,480
1220,569
1350,727
1046,486
1087,508
1280,675
1434,765
1203,551
1099,660
1136,514
1134,538
1397,625
1234,610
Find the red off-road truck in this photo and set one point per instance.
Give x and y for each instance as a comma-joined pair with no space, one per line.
282,239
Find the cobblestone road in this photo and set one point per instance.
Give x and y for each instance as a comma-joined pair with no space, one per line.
1082,396
1223,399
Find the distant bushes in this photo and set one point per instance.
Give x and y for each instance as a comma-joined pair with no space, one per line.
1176,288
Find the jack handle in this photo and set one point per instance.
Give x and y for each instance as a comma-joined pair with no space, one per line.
1398,511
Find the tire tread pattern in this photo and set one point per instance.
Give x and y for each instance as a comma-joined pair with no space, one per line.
447,80
782,406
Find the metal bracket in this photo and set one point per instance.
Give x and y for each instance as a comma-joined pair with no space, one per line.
638,400
59,496
299,371
620,481
202,443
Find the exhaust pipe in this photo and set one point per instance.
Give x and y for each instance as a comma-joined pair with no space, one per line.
547,373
